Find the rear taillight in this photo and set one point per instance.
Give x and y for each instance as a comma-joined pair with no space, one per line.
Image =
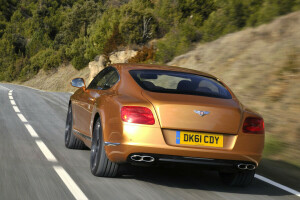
137,114
254,125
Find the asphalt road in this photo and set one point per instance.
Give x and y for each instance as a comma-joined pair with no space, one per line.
27,170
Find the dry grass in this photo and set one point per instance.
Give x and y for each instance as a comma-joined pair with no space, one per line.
58,80
262,66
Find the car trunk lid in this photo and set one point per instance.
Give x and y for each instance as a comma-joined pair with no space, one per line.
196,113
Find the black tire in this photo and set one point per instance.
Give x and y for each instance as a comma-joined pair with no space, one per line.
240,178
71,141
99,163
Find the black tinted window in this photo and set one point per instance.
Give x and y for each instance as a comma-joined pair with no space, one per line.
179,83
113,79
105,79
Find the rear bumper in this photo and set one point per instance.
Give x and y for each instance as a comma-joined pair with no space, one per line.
121,153
203,162
150,140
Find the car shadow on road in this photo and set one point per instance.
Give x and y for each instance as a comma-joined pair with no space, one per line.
199,179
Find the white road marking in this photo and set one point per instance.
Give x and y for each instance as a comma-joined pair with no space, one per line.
16,109
65,177
22,118
287,189
47,153
69,182
13,102
31,131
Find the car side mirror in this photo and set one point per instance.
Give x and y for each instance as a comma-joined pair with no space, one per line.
78,82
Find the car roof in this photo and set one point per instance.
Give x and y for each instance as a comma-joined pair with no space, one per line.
138,66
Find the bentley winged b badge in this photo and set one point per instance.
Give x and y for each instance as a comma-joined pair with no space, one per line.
201,113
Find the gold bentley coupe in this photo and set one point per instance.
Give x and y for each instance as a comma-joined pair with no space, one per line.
153,115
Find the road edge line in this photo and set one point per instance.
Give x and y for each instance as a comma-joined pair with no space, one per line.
278,185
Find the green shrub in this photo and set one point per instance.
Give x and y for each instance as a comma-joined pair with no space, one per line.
2,27
100,32
136,26
76,53
46,59
76,21
79,62
113,42
39,41
269,9
172,45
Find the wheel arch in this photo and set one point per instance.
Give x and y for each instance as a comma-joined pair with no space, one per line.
96,117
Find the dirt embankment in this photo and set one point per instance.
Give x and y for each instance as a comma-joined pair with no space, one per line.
262,67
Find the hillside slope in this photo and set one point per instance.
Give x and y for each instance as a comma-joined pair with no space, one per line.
262,66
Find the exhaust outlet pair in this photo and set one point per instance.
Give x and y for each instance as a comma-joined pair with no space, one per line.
243,166
139,158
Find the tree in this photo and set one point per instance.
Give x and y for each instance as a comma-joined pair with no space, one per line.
137,26
77,21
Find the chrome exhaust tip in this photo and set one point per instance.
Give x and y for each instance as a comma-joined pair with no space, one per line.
251,167
148,159
136,158
242,166
139,158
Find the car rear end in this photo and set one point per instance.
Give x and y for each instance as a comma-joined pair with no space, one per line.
188,118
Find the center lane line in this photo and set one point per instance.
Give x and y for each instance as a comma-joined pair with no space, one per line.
31,131
47,153
64,176
16,109
13,102
22,118
69,182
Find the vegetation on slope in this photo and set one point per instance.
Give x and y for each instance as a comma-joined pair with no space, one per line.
42,34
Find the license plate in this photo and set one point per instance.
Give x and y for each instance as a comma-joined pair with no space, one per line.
200,139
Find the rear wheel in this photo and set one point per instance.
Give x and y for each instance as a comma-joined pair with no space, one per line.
99,163
240,178
71,141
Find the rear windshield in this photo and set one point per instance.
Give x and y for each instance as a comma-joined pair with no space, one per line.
179,83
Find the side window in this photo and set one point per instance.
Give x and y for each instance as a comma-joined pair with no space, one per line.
105,79
97,78
113,79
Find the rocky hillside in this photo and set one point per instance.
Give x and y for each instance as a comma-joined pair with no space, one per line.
262,66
